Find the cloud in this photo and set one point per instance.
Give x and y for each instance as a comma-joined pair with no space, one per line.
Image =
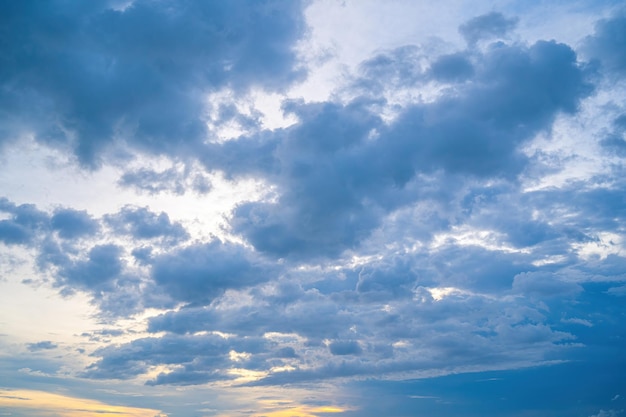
171,180
44,345
607,413
26,223
617,291
396,67
453,67
12,233
399,233
487,26
364,335
100,268
341,169
99,74
201,272
141,223
575,320
607,44
345,347
23,223
543,284
615,143
320,210
82,255
101,272
72,224
196,359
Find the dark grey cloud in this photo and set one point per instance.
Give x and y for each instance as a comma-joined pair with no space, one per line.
487,26
13,233
170,180
131,359
387,281
480,324
457,331
398,67
311,315
103,335
43,345
188,376
462,328
201,272
100,272
102,265
103,73
544,284
65,249
345,347
198,358
608,44
27,224
71,224
615,141
453,67
24,223
141,223
186,320
517,92
340,168
507,211
420,297
593,208
321,210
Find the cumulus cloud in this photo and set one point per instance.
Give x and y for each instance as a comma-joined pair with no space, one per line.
400,231
101,266
340,333
487,26
199,273
141,223
197,359
100,73
341,168
338,172
71,224
607,44
23,223
453,67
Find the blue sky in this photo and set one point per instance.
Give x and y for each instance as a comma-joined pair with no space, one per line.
312,208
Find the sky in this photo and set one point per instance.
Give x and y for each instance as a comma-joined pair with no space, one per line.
312,208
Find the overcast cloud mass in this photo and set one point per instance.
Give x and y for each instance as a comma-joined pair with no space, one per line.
305,208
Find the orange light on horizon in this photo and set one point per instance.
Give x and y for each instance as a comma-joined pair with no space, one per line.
280,409
41,403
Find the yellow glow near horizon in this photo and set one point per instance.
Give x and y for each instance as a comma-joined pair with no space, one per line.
299,411
48,404
273,408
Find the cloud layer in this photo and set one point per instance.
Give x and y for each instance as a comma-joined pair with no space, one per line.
449,209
